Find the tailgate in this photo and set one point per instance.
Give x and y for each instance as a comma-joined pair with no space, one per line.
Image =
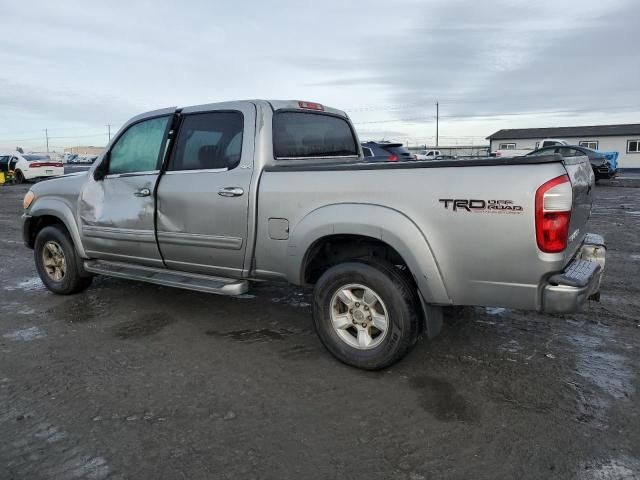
582,182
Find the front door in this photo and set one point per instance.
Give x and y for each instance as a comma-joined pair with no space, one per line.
117,211
203,196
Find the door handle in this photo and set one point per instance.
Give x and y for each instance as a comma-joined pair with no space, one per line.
143,192
230,192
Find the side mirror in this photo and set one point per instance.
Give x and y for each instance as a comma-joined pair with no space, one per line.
103,167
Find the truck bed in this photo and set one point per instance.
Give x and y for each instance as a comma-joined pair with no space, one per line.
482,256
310,165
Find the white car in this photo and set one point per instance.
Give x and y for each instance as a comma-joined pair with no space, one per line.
428,154
30,166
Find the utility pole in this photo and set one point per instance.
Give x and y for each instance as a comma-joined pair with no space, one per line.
46,136
109,131
437,121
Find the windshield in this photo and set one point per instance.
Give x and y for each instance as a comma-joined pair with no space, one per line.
33,158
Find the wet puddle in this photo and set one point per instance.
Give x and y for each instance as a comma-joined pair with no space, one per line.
607,370
441,399
253,336
144,326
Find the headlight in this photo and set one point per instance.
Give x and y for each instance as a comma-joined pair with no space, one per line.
28,199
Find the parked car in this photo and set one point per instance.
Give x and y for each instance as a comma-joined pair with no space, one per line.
550,142
384,151
31,166
4,163
428,154
602,167
223,203
513,152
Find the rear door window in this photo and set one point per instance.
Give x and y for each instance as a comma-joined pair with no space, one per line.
312,135
208,141
541,152
568,152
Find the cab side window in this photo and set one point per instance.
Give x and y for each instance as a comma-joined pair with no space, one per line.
139,148
208,141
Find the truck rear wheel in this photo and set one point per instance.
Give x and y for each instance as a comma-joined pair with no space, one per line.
366,314
57,262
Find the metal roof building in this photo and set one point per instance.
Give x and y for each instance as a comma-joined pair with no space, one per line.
624,139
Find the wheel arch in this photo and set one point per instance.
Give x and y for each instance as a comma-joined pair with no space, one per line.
50,211
381,226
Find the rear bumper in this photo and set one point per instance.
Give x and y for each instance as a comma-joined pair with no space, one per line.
568,291
43,172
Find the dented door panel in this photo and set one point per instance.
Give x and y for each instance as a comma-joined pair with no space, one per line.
118,224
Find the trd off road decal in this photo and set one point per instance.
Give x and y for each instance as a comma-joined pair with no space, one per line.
480,206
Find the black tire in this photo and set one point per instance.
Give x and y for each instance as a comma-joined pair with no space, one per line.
18,175
71,281
397,293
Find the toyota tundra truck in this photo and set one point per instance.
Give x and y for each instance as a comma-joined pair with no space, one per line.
214,197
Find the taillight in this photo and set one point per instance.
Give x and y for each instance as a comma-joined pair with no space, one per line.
553,213
311,106
34,164
393,158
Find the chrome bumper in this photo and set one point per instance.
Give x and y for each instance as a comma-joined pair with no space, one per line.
568,291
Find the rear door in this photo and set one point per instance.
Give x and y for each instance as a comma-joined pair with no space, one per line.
203,197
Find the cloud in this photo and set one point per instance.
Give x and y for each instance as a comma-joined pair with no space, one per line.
501,57
485,62
80,107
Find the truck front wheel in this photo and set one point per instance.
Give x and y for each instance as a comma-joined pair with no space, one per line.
57,262
366,314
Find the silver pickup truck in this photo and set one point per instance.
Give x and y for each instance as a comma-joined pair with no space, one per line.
213,197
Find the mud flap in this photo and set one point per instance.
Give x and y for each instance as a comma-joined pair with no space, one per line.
432,318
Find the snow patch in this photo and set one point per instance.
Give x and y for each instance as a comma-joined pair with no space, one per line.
25,335
28,285
625,468
495,310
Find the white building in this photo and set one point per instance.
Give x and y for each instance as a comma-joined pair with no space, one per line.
624,139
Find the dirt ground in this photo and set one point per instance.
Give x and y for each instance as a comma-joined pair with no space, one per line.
129,380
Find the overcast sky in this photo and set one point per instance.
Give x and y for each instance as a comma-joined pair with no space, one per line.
75,66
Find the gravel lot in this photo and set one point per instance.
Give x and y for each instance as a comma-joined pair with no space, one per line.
137,381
